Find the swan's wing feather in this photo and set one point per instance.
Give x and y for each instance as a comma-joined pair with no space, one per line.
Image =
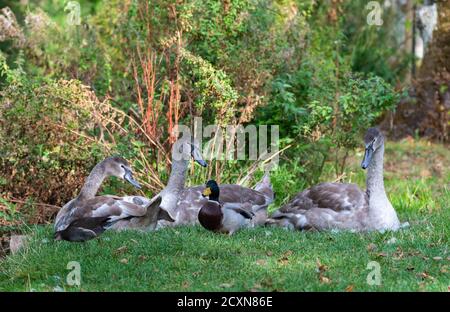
77,234
116,208
334,196
233,193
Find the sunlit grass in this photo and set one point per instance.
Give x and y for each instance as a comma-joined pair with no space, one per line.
192,259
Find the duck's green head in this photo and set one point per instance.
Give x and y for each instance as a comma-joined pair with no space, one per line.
211,190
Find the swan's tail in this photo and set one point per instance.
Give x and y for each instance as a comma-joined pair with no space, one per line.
265,187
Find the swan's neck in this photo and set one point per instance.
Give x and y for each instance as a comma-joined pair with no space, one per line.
93,182
382,213
375,182
175,185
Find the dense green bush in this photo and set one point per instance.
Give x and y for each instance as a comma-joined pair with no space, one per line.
43,127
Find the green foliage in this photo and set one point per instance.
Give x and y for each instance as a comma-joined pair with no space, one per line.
360,102
376,50
323,105
215,91
41,126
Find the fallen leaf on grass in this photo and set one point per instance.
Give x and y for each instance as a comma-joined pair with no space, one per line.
285,258
287,253
324,279
320,267
142,258
256,288
425,275
391,241
226,285
121,250
398,255
437,258
349,288
185,284
371,247
124,260
269,253
381,254
261,262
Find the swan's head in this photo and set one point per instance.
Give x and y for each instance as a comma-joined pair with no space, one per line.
187,148
373,140
120,168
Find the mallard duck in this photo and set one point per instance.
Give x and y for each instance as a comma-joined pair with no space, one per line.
344,206
183,204
222,217
86,216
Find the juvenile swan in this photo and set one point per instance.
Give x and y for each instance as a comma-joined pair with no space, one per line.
344,206
86,216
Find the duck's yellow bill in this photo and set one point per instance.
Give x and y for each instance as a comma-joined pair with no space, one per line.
207,191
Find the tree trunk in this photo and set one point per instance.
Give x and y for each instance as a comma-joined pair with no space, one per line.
426,111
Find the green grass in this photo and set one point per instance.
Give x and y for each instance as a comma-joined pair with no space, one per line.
266,259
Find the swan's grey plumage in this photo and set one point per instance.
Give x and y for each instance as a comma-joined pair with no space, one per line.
87,215
344,206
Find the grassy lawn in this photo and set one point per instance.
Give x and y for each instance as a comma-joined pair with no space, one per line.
267,259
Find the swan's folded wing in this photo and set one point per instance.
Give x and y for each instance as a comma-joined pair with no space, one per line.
116,208
233,193
334,196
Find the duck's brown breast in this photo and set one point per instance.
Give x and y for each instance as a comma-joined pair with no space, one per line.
210,216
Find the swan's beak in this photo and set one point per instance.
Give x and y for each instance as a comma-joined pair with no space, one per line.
196,155
201,162
129,178
367,157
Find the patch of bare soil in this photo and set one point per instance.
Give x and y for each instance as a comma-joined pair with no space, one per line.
416,158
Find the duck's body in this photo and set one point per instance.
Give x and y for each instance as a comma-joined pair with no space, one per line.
344,206
223,218
183,204
87,215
